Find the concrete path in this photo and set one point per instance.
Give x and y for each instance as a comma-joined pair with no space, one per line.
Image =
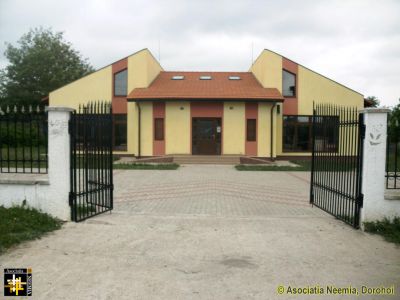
206,232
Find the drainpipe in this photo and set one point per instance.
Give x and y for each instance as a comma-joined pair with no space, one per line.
272,131
139,130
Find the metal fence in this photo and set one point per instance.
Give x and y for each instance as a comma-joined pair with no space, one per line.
393,157
23,139
336,171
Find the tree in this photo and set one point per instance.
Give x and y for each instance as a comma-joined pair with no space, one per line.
373,100
42,62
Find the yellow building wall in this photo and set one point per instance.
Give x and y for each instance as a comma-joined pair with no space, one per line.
268,69
234,122
146,129
143,68
317,88
93,87
177,127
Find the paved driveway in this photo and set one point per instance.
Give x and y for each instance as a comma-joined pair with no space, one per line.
206,232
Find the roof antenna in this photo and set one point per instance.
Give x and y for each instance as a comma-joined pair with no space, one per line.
252,53
159,51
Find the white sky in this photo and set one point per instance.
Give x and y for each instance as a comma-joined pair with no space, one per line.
356,43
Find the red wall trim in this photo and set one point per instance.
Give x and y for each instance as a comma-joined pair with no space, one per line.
158,112
290,106
119,104
207,110
251,113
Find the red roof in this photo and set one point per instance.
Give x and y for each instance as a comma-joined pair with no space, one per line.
218,87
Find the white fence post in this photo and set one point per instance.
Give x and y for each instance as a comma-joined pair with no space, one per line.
375,207
59,161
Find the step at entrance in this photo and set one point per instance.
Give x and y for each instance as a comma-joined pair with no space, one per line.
207,159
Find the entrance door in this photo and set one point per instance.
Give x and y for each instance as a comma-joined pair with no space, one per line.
206,136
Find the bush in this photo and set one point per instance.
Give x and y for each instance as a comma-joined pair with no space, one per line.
389,229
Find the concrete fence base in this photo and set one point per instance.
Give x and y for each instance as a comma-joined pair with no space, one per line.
48,193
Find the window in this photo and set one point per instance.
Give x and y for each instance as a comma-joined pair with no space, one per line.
251,130
297,133
234,77
289,84
178,77
121,83
159,129
205,77
120,132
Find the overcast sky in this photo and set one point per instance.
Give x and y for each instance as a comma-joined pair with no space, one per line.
356,43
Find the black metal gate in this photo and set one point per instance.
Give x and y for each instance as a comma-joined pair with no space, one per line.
91,190
338,134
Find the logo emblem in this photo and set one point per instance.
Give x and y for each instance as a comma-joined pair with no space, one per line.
18,282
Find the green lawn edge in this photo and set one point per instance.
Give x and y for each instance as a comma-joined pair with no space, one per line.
20,223
303,165
388,229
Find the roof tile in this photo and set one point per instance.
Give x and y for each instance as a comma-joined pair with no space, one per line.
219,87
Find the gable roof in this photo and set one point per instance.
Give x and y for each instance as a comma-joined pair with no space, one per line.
315,72
218,87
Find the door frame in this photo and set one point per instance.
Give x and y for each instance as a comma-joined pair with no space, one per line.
219,123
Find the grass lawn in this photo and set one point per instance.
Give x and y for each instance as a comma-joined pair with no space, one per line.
389,229
19,224
143,166
304,165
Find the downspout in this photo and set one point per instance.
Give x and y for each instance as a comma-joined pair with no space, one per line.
272,131
139,129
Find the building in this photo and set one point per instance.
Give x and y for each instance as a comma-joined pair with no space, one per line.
265,112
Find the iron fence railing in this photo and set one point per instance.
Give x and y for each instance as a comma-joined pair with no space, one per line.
23,139
393,158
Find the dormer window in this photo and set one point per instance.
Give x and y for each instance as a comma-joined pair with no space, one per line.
234,77
205,77
121,83
178,77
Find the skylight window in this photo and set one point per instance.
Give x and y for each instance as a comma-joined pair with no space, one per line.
205,77
178,77
234,78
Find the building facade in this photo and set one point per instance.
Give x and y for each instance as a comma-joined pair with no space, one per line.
265,112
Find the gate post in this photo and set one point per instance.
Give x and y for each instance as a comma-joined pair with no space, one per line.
374,161
59,160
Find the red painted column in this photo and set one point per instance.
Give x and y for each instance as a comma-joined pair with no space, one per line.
251,113
119,103
290,105
158,112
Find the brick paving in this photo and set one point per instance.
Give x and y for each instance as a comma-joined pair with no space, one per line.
213,190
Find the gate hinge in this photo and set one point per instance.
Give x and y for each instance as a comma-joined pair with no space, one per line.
361,200
362,131
69,127
71,197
